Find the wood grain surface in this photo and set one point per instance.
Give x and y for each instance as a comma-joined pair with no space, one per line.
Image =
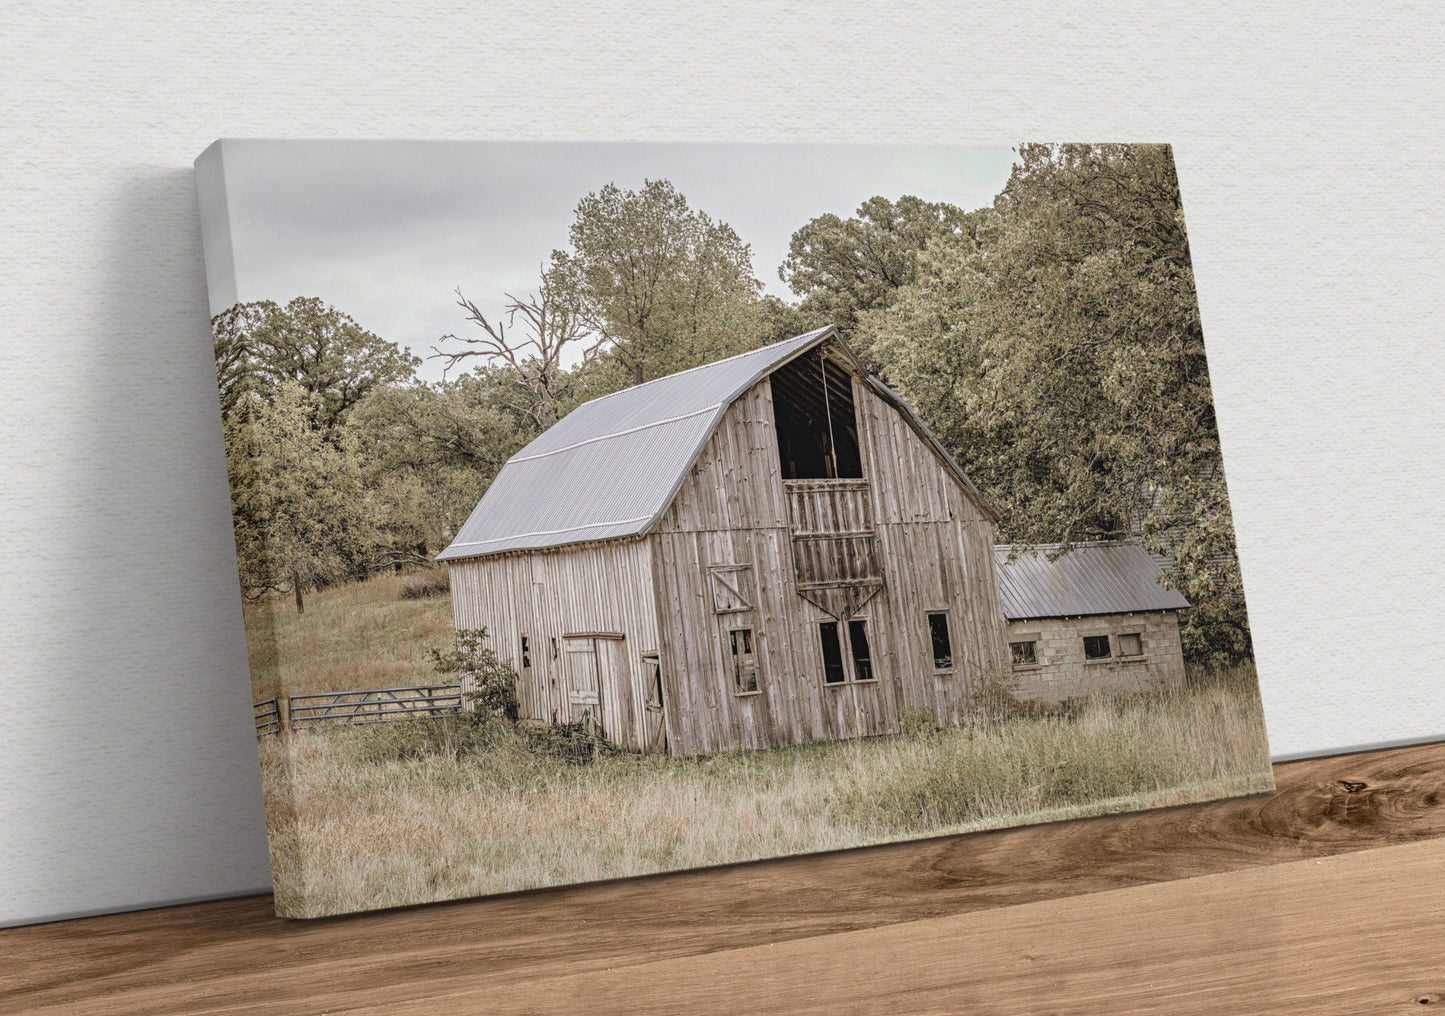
1021,920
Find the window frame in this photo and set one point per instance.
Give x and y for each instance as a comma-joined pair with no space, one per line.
737,660
1033,643
652,681
1130,635
823,652
1108,645
928,616
845,651
853,652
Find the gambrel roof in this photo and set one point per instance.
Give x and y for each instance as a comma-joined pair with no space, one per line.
609,469
1092,578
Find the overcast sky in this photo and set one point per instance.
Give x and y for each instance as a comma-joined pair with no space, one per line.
388,230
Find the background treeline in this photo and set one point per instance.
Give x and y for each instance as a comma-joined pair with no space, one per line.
1052,341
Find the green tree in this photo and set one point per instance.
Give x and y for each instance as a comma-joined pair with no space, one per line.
663,285
844,267
1058,353
261,346
301,510
429,451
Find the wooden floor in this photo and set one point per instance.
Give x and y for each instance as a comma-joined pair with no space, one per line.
1327,896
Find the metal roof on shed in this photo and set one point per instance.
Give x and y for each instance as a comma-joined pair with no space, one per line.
1092,578
609,468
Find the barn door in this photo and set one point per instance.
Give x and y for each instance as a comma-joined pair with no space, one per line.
584,691
654,711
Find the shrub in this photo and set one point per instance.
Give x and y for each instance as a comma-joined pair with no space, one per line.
575,744
488,682
917,721
420,585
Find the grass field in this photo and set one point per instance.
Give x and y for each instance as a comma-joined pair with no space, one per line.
361,635
413,811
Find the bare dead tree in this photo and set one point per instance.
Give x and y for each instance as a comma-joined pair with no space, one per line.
550,325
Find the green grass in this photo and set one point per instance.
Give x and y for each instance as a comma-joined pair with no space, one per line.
414,811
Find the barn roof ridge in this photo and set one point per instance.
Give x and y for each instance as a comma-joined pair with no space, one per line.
557,487
630,389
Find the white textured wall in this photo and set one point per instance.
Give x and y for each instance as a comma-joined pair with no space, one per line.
1309,149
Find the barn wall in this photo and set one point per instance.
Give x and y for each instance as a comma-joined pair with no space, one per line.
935,545
546,594
730,510
1062,672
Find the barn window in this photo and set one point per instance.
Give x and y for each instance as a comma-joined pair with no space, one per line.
1131,644
731,588
833,672
652,680
526,653
745,664
1024,653
816,420
858,641
1096,647
942,644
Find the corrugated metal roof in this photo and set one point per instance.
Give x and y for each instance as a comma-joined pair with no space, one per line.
609,468
1092,578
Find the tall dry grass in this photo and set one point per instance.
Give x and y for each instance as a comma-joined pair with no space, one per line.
426,810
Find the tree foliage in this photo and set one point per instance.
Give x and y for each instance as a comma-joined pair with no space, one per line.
300,508
844,267
665,286
261,346
1058,352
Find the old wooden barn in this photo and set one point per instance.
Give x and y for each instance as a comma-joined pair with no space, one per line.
1094,619
766,550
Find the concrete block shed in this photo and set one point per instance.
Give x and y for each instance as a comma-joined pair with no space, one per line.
1093,619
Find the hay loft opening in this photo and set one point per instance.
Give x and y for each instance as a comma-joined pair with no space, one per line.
816,420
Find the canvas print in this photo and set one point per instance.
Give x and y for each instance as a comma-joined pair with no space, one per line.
611,509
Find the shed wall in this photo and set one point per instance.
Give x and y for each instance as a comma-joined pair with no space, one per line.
545,595
1063,672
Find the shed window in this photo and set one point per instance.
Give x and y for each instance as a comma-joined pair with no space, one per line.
1096,647
816,420
858,641
526,653
745,665
942,644
1024,653
833,672
1131,645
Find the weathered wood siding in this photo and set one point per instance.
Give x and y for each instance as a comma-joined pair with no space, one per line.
930,542
936,544
604,588
1061,671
